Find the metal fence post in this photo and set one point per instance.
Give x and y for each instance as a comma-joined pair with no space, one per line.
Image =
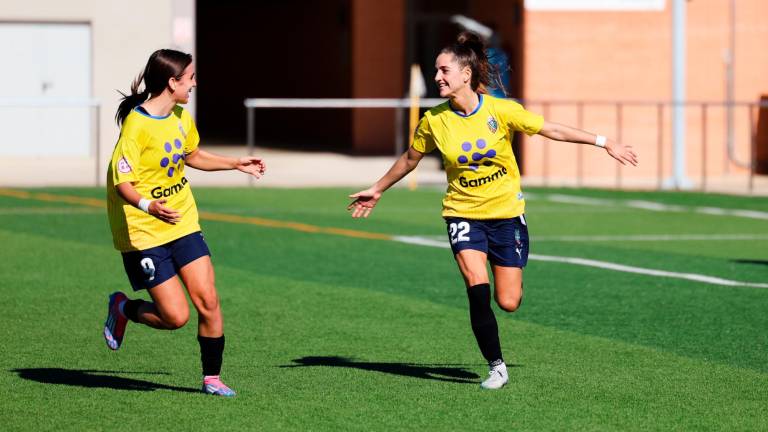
619,128
250,138
399,139
545,150
703,147
580,148
753,149
660,146
97,150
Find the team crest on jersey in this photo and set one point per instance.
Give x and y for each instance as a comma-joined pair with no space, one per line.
181,129
492,124
123,166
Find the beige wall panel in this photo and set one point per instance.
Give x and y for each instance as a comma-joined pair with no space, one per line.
610,55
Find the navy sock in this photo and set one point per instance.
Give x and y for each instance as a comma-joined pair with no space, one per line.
484,322
211,354
131,309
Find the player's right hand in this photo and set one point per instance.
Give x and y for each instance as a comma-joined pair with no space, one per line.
622,153
165,214
364,202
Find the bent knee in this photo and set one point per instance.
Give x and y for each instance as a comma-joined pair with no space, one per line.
208,304
176,321
510,304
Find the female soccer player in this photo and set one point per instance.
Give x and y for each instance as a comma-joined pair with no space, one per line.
483,206
153,215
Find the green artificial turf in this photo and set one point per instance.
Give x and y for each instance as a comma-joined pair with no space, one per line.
331,332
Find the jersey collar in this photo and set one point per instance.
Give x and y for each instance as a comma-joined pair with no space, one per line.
140,109
477,108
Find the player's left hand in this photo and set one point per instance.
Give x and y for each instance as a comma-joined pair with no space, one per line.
252,165
364,202
622,153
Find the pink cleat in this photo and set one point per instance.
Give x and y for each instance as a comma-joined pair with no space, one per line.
114,326
212,385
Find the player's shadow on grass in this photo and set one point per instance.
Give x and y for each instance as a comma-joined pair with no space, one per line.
751,261
95,379
439,372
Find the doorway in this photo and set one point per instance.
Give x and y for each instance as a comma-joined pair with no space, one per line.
47,78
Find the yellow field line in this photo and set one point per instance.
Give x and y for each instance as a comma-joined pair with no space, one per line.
219,217
41,196
296,226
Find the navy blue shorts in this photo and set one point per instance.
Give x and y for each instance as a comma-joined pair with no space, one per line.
505,241
150,267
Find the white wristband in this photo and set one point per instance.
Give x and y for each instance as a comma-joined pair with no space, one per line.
144,204
600,141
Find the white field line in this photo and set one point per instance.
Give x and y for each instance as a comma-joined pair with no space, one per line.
640,237
651,237
433,243
639,270
600,264
651,206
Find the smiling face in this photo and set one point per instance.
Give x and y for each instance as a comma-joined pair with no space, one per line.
183,87
451,78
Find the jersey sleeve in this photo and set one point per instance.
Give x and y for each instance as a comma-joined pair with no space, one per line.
192,138
125,160
423,140
519,119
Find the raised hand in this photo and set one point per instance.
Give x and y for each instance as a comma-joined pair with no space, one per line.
622,153
364,202
254,166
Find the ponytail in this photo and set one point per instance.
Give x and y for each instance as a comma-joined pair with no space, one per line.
131,101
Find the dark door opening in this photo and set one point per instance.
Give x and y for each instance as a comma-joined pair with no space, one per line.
303,49
270,49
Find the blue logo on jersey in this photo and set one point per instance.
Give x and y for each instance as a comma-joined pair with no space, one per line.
175,160
476,155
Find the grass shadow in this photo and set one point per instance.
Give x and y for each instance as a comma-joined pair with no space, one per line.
95,379
750,261
438,372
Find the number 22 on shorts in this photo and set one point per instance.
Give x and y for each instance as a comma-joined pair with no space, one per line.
458,231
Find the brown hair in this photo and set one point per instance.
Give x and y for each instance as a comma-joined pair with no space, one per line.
469,50
162,65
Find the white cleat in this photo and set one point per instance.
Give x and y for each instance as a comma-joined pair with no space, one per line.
497,378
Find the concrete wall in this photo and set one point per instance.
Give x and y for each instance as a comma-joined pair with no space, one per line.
123,37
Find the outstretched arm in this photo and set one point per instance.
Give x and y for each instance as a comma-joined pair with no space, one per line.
366,200
558,132
208,161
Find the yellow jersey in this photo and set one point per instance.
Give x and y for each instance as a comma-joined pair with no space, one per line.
483,177
150,153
